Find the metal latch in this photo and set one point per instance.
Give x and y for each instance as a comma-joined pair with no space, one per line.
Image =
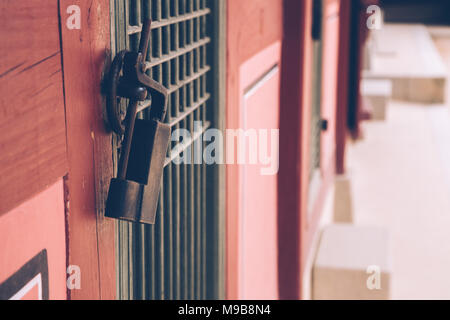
133,195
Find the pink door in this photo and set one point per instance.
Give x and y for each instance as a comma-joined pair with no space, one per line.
258,247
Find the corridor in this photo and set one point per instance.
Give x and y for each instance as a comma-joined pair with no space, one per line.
400,175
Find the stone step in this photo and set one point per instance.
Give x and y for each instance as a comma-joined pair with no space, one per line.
352,262
377,92
343,200
407,56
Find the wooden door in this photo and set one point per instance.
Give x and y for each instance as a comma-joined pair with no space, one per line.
32,152
258,223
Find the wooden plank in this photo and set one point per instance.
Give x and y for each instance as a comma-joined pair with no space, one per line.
32,143
91,236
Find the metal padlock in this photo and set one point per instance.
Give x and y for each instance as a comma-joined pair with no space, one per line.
133,195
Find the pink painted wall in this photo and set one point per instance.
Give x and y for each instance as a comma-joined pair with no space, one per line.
35,225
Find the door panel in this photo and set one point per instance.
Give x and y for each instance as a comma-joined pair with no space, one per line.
33,157
36,225
33,139
258,245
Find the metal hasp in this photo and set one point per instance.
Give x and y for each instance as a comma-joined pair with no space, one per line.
133,195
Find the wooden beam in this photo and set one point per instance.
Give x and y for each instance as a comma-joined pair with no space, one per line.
294,134
90,235
343,85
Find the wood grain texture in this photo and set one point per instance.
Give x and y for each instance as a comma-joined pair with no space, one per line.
33,139
91,236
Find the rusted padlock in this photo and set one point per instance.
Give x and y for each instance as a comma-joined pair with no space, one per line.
133,195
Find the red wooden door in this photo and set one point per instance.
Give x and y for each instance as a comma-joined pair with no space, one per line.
32,152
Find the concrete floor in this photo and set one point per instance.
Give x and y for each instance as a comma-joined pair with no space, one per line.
400,176
401,180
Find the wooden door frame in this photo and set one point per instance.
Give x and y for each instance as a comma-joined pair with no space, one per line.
90,236
343,85
295,117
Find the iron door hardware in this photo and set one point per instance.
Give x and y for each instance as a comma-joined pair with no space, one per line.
133,195
323,124
316,29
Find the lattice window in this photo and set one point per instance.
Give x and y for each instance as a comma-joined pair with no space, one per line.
316,123
170,260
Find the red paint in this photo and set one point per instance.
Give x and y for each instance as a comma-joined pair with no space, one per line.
32,143
252,26
343,84
33,155
310,220
91,236
258,245
297,226
35,225
33,294
294,141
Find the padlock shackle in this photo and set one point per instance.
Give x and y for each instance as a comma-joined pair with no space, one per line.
158,92
127,79
130,120
145,37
